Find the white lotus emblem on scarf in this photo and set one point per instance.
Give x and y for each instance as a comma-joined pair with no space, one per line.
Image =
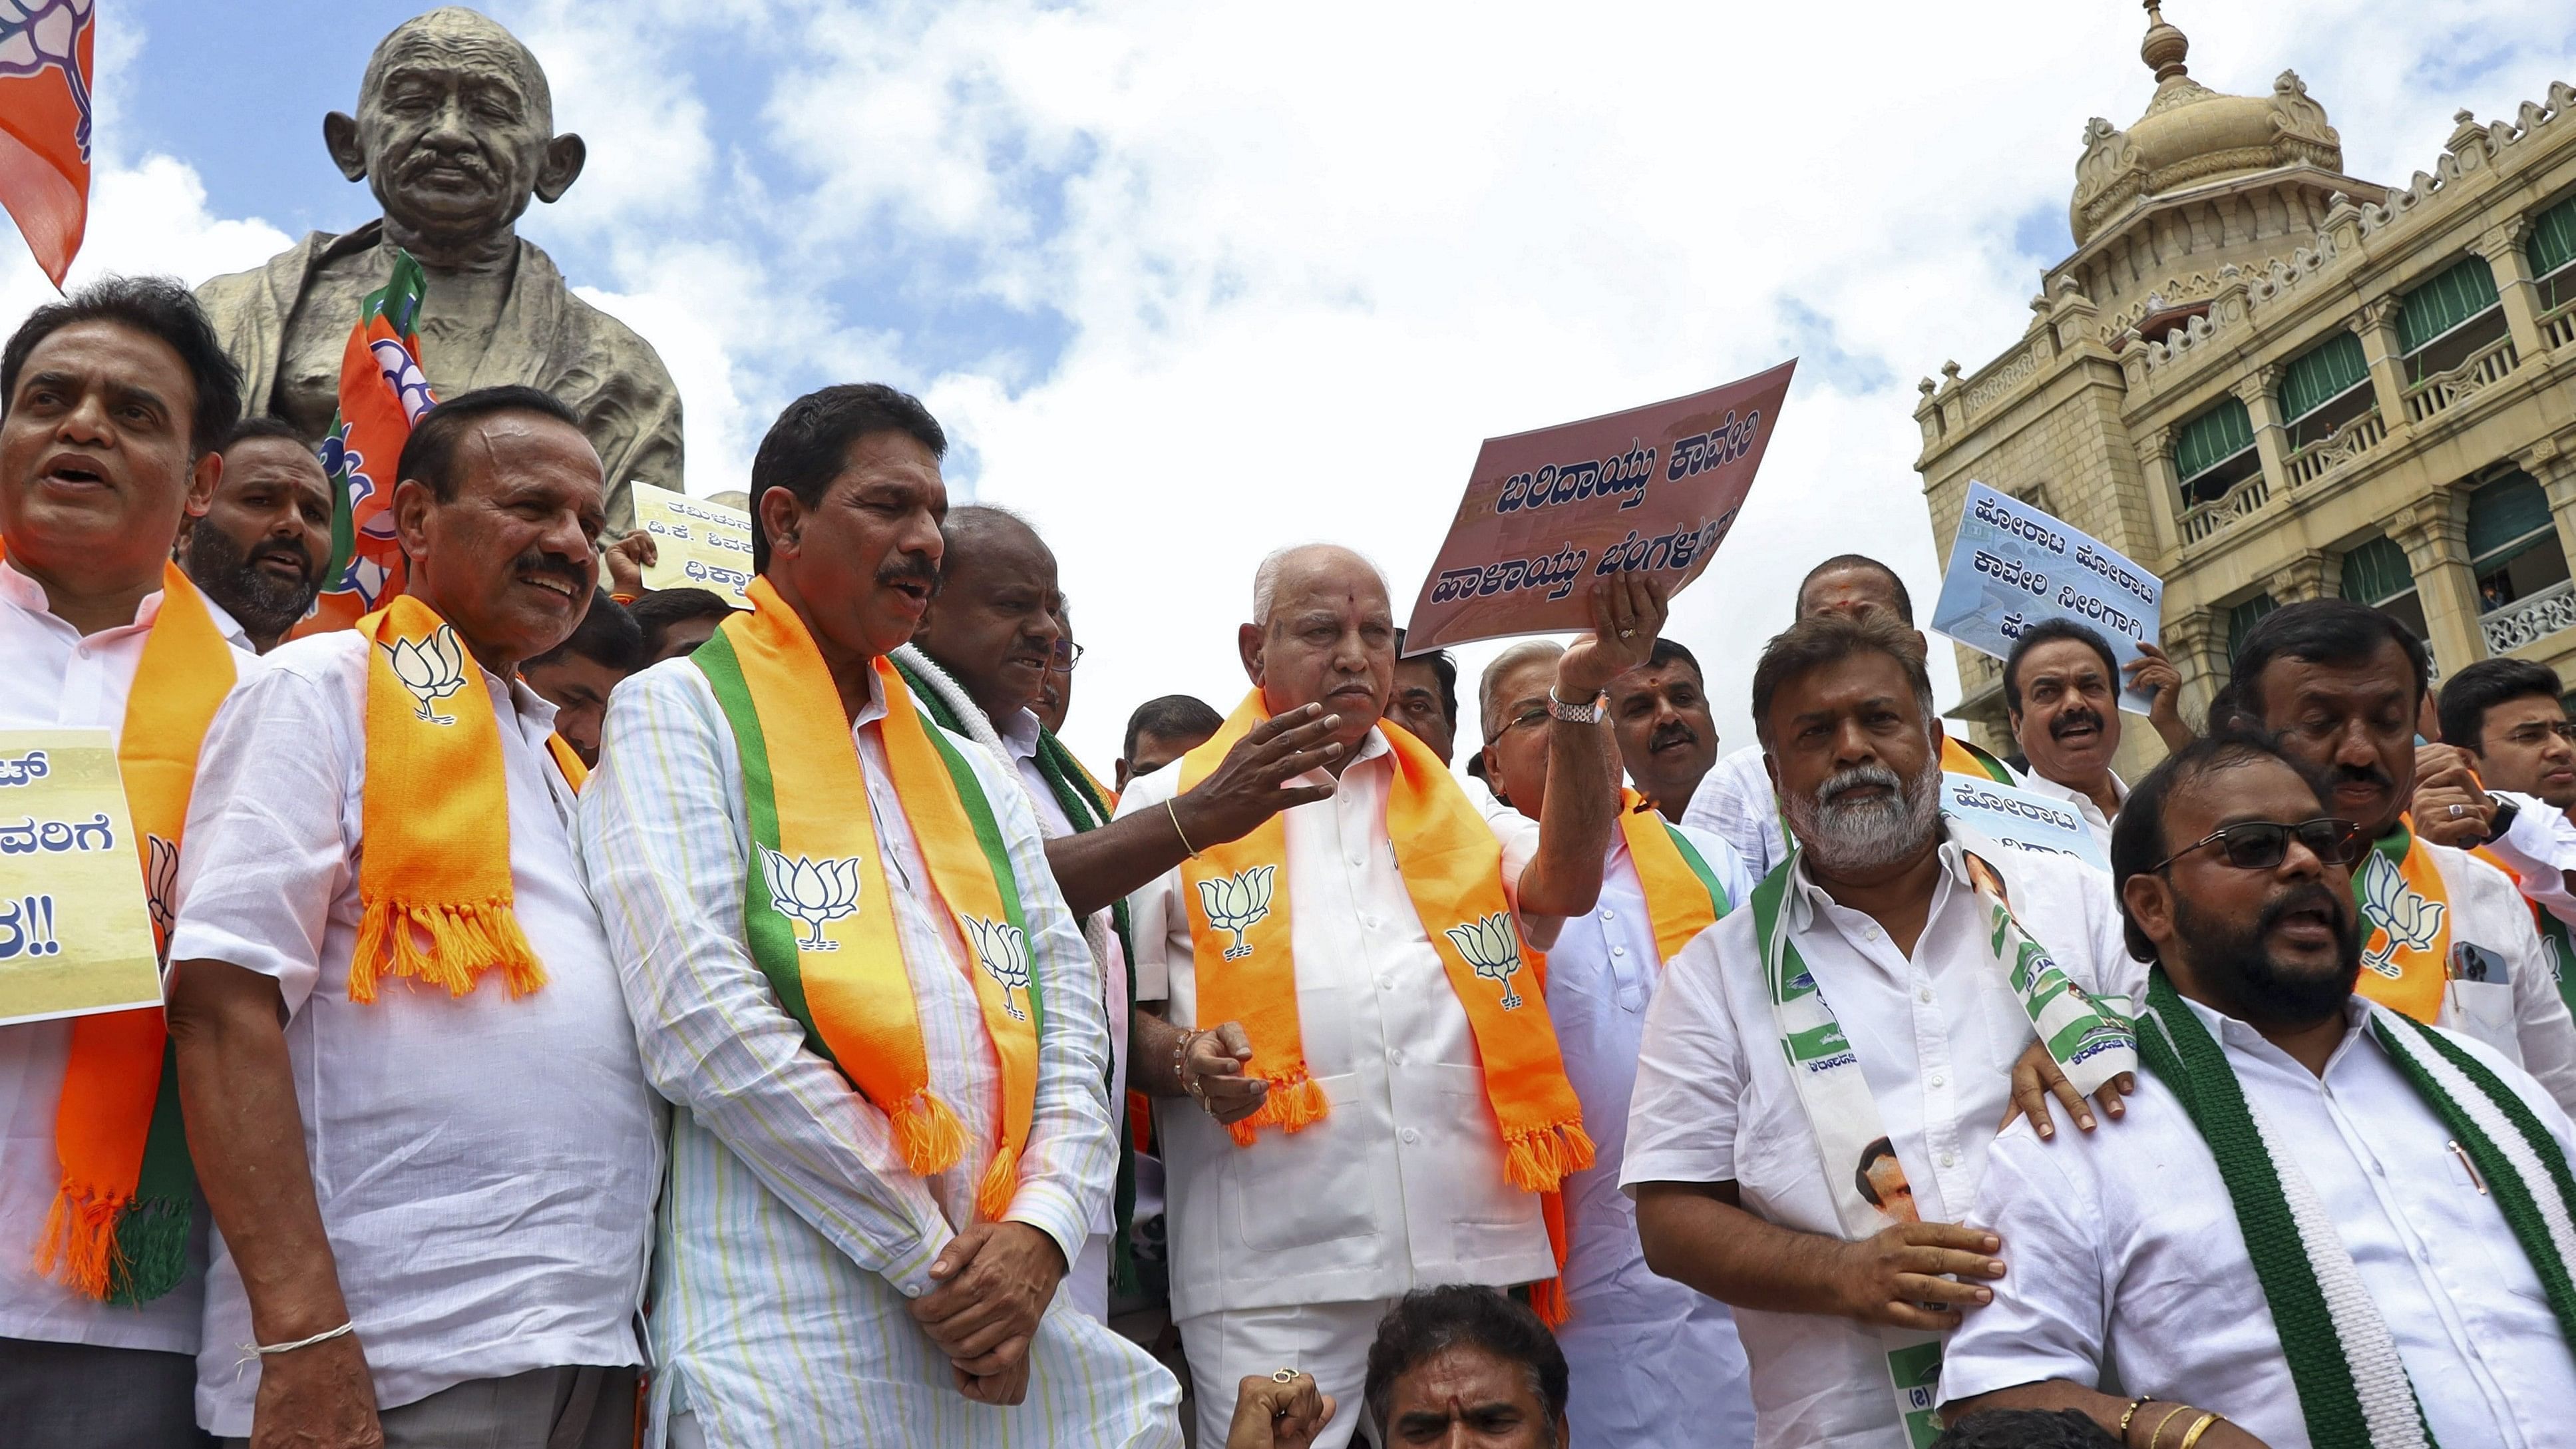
2398,915
431,669
1494,949
161,888
1003,952
1234,903
816,892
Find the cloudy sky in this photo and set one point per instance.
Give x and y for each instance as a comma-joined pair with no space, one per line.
1187,281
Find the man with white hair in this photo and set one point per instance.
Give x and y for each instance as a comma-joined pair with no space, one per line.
1409,1104
1644,1353
1823,1071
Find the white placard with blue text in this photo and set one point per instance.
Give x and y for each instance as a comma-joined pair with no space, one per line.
2014,565
2021,820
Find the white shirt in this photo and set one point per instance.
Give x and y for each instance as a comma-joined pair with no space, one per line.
1937,1034
228,626
2126,1264
57,679
1734,803
1401,1184
485,1166
2540,848
2039,784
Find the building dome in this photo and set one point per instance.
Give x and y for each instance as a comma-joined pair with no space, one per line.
2191,134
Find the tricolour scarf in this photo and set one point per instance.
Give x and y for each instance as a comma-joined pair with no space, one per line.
1683,896
817,908
434,877
1959,757
119,1225
1244,962
2406,957
2352,1384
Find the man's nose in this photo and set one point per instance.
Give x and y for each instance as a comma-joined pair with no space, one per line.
2354,746
1853,746
86,422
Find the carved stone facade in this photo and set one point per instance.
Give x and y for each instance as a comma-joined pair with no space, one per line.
2218,244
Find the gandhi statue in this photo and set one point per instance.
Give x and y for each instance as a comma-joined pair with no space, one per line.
454,133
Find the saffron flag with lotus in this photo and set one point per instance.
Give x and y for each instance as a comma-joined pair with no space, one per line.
45,69
382,393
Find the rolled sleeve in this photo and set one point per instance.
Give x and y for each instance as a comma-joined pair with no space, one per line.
1690,1076
264,854
2046,1319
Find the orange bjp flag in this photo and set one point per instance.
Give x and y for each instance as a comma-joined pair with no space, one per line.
45,69
382,393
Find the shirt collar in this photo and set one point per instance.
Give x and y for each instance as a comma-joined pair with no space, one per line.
1019,733
18,589
1807,897
2243,1037
2046,786
225,624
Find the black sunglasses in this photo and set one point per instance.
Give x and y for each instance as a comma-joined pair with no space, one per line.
2261,844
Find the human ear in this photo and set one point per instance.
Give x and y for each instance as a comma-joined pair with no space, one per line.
340,138
1248,642
561,167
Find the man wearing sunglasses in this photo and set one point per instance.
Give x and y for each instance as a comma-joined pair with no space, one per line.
2445,937
2505,714
2323,1223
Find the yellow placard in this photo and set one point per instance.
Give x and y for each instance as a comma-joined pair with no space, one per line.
75,915
700,544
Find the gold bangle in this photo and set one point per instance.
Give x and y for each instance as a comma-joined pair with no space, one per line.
1177,830
2170,1415
2131,1412
2198,1429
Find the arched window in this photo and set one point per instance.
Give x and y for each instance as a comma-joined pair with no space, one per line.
2215,451
2444,322
2324,388
2377,574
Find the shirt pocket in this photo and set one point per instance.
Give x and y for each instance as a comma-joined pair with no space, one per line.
1298,1189
2485,1010
1467,1153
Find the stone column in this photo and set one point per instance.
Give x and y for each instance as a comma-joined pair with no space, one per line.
2197,644
2256,391
2502,247
2164,501
2377,324
2554,466
2434,531
2300,579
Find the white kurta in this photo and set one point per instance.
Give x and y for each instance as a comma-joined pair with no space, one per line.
2128,1267
1936,1032
2094,819
792,1236
1734,803
1644,1353
58,679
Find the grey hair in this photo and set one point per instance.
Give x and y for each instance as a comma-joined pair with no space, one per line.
1488,707
1265,579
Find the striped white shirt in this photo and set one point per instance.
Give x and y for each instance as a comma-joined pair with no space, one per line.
791,1234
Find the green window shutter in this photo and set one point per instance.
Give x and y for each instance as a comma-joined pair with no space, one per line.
2445,302
2212,438
2376,572
2504,513
2321,374
2241,620
2553,238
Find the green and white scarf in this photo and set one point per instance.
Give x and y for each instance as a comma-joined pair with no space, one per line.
2353,1389
2090,1043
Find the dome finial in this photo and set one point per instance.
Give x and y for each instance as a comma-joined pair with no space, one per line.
2165,46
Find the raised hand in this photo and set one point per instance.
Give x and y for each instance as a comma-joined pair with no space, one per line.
1628,611
628,558
2451,806
1251,784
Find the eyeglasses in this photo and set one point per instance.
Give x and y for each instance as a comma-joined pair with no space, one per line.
1066,654
2262,844
2537,732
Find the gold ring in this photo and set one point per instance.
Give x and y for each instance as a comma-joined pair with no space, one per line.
1627,633
1283,1376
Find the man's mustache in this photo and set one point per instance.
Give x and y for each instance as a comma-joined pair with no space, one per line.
304,564
2077,717
1675,733
1856,778
2349,774
539,561
465,161
2309,895
909,568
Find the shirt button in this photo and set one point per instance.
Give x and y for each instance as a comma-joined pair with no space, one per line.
1609,915
1359,862
1386,983
1395,1055
1618,950
1936,1079
1410,1136
1949,1159
1925,994
1870,932
911,1290
1368,923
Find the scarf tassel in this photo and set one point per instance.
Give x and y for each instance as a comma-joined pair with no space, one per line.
1294,1104
464,941
1538,1158
928,1134
114,1249
1547,1300
1001,1184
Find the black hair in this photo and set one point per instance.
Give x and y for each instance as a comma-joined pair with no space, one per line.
2469,694
1860,1175
1171,716
2049,631
2138,840
606,636
260,425
1427,1321
2317,631
658,610
159,307
2027,1429
810,443
1822,639
1841,561
1668,652
1444,667
429,454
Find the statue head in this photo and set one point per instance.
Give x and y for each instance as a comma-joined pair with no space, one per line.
455,129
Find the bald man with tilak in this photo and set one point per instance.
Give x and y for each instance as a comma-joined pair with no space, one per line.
1363,952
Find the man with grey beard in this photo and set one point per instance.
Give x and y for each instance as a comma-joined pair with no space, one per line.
1822,1071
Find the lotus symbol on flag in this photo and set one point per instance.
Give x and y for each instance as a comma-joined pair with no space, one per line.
1233,903
1494,949
35,34
1003,952
2397,914
402,374
816,892
161,885
432,669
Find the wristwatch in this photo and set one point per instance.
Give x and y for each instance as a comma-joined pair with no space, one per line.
1583,714
2502,820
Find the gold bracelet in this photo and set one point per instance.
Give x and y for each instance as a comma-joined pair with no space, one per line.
2131,1412
2199,1429
2170,1415
1177,830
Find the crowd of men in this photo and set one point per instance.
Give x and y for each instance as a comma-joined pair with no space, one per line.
601,1012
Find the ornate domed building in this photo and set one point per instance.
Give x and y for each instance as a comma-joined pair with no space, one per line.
2268,380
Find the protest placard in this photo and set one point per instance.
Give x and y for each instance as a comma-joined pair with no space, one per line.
700,544
75,919
2014,565
2020,819
1547,512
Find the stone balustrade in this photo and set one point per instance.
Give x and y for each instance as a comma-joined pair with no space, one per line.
2335,449
2445,390
2203,520
2527,619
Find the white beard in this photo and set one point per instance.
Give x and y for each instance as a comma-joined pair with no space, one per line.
1858,836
